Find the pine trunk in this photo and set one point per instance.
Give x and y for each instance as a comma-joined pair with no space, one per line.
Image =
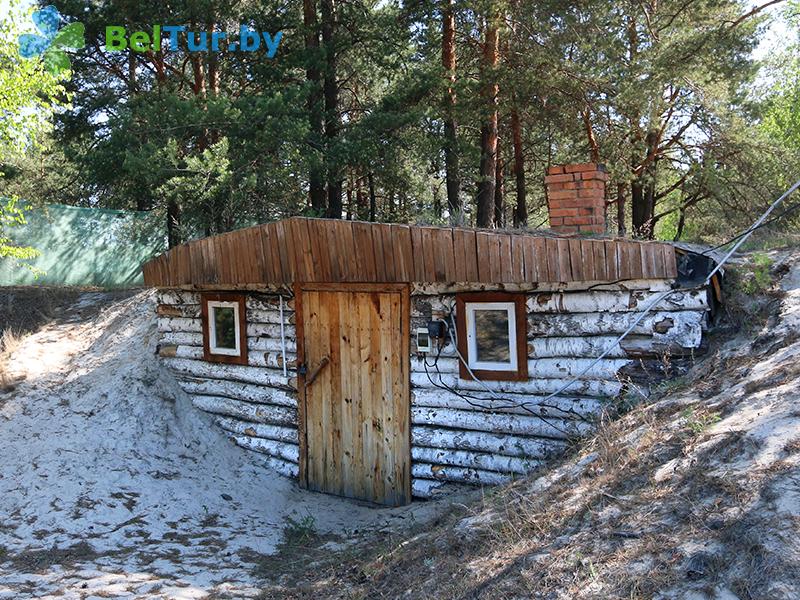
331,95
450,135
521,209
643,189
316,175
499,190
488,166
621,209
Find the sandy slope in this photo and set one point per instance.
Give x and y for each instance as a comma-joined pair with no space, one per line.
112,484
694,494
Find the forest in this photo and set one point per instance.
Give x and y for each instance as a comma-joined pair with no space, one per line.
419,111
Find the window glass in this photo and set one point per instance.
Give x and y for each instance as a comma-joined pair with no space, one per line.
491,336
224,327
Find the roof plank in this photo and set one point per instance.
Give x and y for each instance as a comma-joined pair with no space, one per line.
328,250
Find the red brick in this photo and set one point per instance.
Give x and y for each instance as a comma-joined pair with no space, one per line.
586,210
592,193
567,203
599,175
559,178
562,194
591,183
578,221
555,170
580,167
567,185
563,212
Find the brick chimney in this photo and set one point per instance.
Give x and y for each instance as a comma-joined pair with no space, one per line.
576,198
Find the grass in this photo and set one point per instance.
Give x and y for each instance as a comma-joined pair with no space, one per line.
9,343
300,532
697,422
599,524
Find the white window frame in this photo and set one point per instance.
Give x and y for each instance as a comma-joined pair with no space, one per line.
472,342
212,328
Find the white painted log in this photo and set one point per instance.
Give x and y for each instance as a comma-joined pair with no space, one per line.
481,441
425,307
437,289
683,327
181,338
182,324
535,387
254,344
265,344
282,467
584,347
457,474
177,297
254,300
270,330
270,302
428,488
193,311
518,404
188,311
259,430
498,423
258,413
259,394
241,373
543,347
174,324
633,346
269,316
272,360
541,368
475,460
608,301
650,347
288,452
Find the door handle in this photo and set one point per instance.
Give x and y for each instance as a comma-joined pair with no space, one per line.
317,370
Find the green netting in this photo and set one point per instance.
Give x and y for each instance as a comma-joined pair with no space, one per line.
85,246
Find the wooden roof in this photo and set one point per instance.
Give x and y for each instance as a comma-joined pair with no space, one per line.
327,250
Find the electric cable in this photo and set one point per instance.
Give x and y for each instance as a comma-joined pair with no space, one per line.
645,311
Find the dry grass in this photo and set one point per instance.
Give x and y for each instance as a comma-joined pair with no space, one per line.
9,342
596,524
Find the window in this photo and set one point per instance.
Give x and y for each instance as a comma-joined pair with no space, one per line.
492,335
224,328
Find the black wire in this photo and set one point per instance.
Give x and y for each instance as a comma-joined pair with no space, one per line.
471,399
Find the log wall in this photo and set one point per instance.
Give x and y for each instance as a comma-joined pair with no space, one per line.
256,404
468,435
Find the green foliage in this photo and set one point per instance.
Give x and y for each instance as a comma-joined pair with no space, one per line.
11,215
300,532
28,92
212,142
698,422
758,279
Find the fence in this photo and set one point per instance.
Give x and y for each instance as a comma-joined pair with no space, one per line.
85,246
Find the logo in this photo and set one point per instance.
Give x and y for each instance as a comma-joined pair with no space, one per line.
246,40
50,44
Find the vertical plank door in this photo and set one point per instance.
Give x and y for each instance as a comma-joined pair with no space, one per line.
355,413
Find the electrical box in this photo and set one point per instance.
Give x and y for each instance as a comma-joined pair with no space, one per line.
423,341
437,329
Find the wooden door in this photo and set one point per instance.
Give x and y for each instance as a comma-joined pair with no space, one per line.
354,400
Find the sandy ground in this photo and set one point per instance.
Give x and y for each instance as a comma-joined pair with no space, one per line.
113,485
692,495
